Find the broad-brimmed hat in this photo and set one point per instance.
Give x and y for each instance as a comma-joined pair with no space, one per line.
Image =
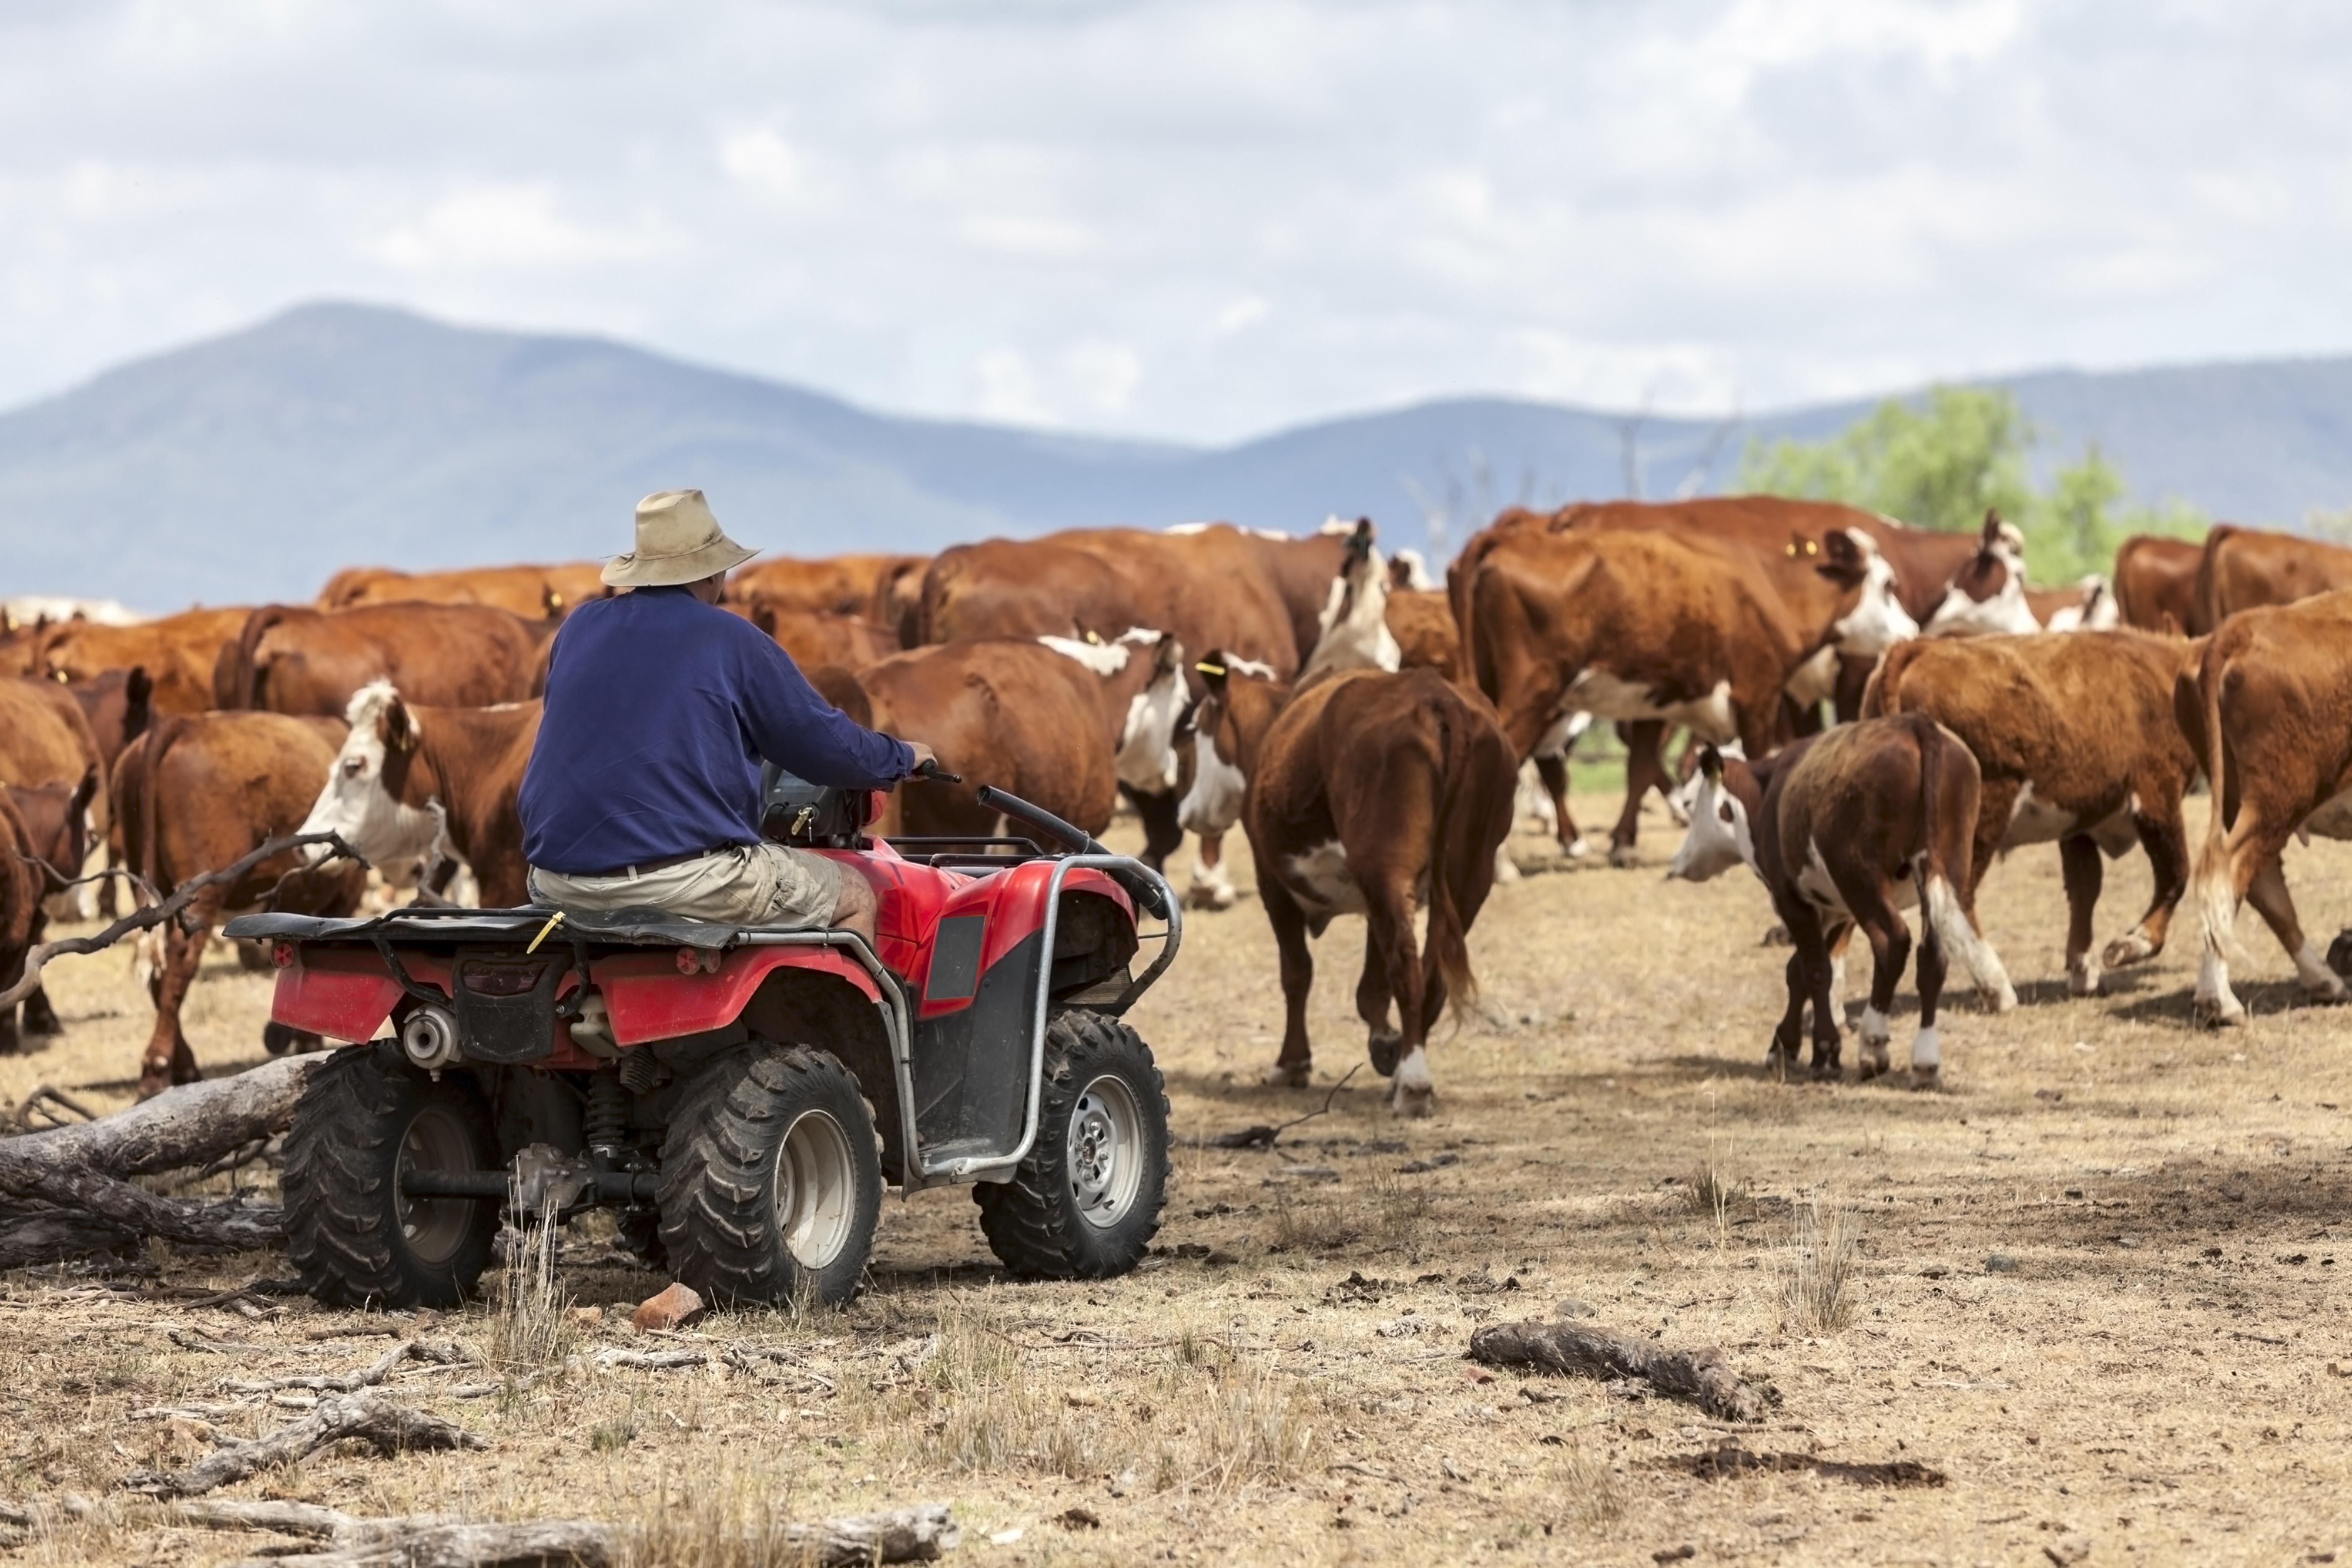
679,542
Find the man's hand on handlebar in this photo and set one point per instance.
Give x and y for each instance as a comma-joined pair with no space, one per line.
927,766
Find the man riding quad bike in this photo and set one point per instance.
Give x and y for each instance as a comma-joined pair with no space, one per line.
729,1015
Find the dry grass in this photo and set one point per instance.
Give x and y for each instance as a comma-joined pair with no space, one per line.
530,1325
2097,1296
1817,1270
729,1518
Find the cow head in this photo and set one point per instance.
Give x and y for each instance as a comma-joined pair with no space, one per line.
1239,699
1851,559
1988,592
1722,832
380,793
1146,742
1408,570
1354,627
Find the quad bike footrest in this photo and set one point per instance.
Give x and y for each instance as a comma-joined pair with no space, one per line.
611,1186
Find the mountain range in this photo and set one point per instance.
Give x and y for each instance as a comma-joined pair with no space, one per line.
251,466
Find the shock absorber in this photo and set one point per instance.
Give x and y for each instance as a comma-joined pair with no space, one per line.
605,1121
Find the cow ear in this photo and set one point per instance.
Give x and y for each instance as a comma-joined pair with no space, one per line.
1213,670
1841,557
1991,527
397,730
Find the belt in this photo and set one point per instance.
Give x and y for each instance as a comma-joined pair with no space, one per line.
662,864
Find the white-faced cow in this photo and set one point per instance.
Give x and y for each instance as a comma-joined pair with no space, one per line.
1366,792
1989,595
2076,742
2269,709
1849,828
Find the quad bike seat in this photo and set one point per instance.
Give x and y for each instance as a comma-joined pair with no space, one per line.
638,925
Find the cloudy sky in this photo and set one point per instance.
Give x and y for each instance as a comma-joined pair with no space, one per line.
1198,220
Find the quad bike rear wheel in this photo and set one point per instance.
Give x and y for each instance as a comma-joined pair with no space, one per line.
770,1182
355,1239
1085,1202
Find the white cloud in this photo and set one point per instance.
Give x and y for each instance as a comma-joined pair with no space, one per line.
482,228
1012,210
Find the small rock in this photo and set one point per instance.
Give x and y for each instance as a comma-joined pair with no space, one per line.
673,1309
586,1317
2000,1263
1310,1173
1572,1308
1934,1271
1122,1483
1006,1536
1079,1519
1079,1400
1434,1162
2128,1243
1682,1554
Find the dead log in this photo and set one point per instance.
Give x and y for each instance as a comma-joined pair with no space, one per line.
433,1540
63,1193
391,1427
1700,1378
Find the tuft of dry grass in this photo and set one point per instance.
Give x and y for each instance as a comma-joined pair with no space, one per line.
1312,1220
1586,1487
729,1518
530,1325
1817,1272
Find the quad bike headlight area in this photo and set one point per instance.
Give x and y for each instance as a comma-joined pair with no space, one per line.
1282,1378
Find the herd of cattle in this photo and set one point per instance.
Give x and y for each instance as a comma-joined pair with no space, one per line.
1879,711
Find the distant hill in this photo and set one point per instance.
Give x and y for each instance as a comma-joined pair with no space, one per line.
251,466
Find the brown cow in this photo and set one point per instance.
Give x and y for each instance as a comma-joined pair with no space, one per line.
828,585
1807,553
1260,597
292,660
815,639
1057,722
23,884
1651,626
50,836
2265,709
1847,829
180,654
2156,584
1423,624
413,786
1365,792
195,795
2247,568
44,736
118,706
897,606
2074,740
533,593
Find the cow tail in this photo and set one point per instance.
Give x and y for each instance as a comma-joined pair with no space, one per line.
246,678
2211,888
1458,845
1883,694
1948,924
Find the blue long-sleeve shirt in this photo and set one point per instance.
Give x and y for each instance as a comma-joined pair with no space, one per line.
659,707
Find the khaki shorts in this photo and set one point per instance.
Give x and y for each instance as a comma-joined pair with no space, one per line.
754,885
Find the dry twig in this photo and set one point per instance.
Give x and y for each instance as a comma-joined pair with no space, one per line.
391,1427
1263,1137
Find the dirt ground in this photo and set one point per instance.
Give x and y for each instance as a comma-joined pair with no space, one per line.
2097,1290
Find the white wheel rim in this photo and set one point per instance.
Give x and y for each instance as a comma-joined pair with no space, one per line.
1106,1152
433,1140
816,1189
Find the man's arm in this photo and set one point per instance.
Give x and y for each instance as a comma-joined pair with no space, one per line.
795,728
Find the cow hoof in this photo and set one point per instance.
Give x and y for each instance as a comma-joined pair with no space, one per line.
1289,1075
1874,1062
2004,1000
2324,987
1576,849
2127,950
1926,1078
1210,896
2212,1012
2082,977
1411,1103
1624,857
1384,1050
153,1082
41,1021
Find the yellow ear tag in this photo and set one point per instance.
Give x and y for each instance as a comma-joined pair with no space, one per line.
1095,637
545,931
1206,668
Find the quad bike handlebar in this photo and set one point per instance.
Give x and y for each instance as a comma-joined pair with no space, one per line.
930,769
1146,891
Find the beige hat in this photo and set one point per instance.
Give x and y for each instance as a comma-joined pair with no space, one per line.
679,542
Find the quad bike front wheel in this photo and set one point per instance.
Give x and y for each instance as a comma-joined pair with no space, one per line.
770,1184
1085,1202
362,1125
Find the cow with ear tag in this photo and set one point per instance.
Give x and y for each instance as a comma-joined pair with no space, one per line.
1363,792
1846,829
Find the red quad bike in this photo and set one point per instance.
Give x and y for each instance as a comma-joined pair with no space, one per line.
739,1095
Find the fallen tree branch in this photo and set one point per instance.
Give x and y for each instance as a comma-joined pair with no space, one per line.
41,1099
434,1541
351,1382
1263,1136
1699,1377
654,1361
181,897
391,1427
